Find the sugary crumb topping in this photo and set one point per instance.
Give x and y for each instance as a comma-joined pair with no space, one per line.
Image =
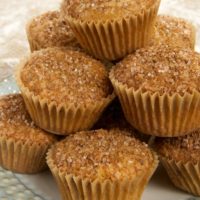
62,75
97,10
15,122
49,30
102,155
160,69
185,148
174,31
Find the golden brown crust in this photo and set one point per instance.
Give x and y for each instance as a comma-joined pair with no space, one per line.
102,155
103,10
174,31
160,69
65,76
16,124
49,30
181,149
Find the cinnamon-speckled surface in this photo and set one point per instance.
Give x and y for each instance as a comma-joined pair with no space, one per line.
13,45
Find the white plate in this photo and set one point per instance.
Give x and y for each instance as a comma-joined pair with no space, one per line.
42,186
159,188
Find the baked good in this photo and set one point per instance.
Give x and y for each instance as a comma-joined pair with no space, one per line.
174,31
49,30
23,146
111,29
159,89
113,118
180,157
65,90
102,165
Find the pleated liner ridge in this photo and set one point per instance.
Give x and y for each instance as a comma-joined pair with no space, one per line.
163,116
61,119
185,176
73,188
112,40
22,157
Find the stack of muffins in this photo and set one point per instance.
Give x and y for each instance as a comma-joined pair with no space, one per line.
83,57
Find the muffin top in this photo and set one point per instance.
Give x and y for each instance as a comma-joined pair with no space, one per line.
50,30
184,149
15,122
160,69
102,155
174,31
65,76
103,10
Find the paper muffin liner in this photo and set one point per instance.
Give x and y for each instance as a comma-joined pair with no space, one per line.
185,176
74,187
159,115
22,157
61,119
113,39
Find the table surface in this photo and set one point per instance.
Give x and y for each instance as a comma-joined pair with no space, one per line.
13,45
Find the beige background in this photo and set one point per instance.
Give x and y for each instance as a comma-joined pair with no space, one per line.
15,13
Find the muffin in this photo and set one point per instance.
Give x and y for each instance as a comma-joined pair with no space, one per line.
64,90
158,88
113,118
23,146
174,31
111,29
102,165
180,157
49,30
